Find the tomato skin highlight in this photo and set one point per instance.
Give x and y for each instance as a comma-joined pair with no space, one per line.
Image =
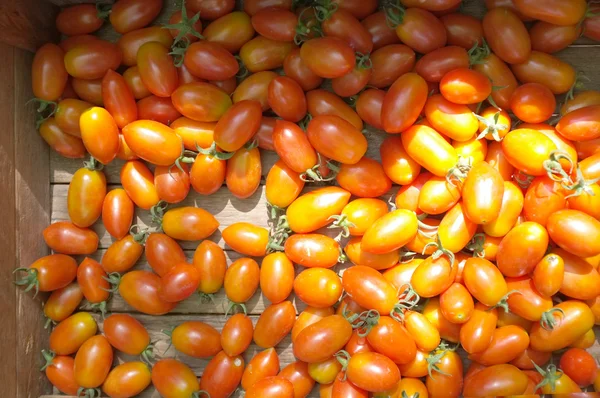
333,332
65,237
336,139
92,60
189,223
328,57
170,377
138,183
145,136
365,179
575,232
140,289
312,210
68,336
196,339
100,134
501,379
421,30
64,144
93,362
126,334
48,73
128,15
531,240
318,287
507,35
406,97
390,232
127,379
86,193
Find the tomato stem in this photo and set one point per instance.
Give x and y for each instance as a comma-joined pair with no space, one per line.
101,306
551,375
213,152
324,9
477,245
93,164
45,110
30,280
207,297
363,61
394,14
139,234
114,278
503,302
147,356
48,357
362,322
103,9
232,306
459,171
433,358
343,357
547,320
157,212
492,127
185,27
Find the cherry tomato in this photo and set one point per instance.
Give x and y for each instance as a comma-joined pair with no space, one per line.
64,144
503,379
342,387
67,238
390,232
365,179
381,33
86,193
145,136
118,99
506,344
179,283
264,364
336,139
286,98
398,165
171,377
368,107
163,252
507,35
321,102
328,57
476,333
63,302
138,183
548,275
331,333
528,357
244,172
100,134
68,113
59,371
189,223
237,125
130,43
193,132
580,278
93,362
574,321
312,250
550,38
453,120
546,69
484,281
533,103
231,29
93,281
295,68
157,70
421,30
580,366
236,335
283,185
276,277
274,324
457,304
309,316
88,90
222,375
543,197
196,339
126,334
247,239
260,53
581,124
48,73
362,213
92,60
345,26
433,66
574,231
428,148
127,379
128,15
159,109
140,289
360,9
71,333
271,387
172,186
403,103
275,23
313,210
210,61
318,287
463,30
501,76
527,149
510,209
209,260
482,192
255,87
241,280
372,372
78,19
207,174
558,13
378,294
465,86
122,254
449,380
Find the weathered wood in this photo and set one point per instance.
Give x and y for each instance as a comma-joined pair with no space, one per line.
8,246
33,214
27,23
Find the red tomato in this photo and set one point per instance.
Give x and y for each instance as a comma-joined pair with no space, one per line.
122,254
321,102
507,35
170,377
533,103
222,375
100,134
247,238
476,334
67,238
368,106
581,124
179,283
127,334
118,99
138,182
295,68
128,15
575,231
127,379
328,57
293,147
403,103
271,387
501,380
92,60
236,335
345,26
420,30
462,30
59,371
381,33
157,70
255,87
336,139
201,102
64,144
465,86
365,179
484,281
546,69
580,366
196,339
501,76
283,185
172,185
241,280
130,43
210,61
274,324
260,53
275,24
558,12
286,98
237,125
62,303
68,336
378,294
140,289
93,282
342,387
48,273
160,109
449,380
433,66
360,9
264,364
244,172
309,316
93,362
331,333
68,113
550,38
79,19
318,287
48,73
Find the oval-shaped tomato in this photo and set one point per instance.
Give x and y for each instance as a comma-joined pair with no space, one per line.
93,362
362,213
159,109
207,174
390,232
237,125
118,99
312,250
575,231
128,15
276,277
336,139
581,124
157,70
134,82
328,57
71,333
275,23
543,197
526,302
282,185
231,29
482,193
260,53
274,324
320,340
501,76
247,239
533,103
78,19
558,12
86,193
550,38
59,371
438,196
462,30
171,377
64,144
92,60
172,186
140,289
421,30
506,344
117,213
372,372
162,253
453,120
236,335
503,379
318,287
144,137
456,230
264,364
293,147
179,283
433,66
530,239
351,83
189,223
368,107
255,87
63,302
512,205
456,303
210,61
211,263
484,281
93,281
313,210
127,379
271,387
241,280
527,149
100,134
322,102
122,254
381,33
465,86
130,43
506,35
309,316
369,289
295,68
286,98
548,274
48,74
580,278
476,333
244,171
345,26
449,380
126,334
196,339
403,103
429,149
365,179
67,238
222,375
546,69
138,183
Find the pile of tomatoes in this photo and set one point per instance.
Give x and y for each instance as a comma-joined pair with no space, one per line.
489,249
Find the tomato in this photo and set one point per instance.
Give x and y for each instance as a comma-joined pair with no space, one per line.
260,53
543,197
293,147
484,281
93,362
483,192
295,68
236,335
275,24
123,254
210,61
244,172
179,283
92,60
527,149
48,73
67,238
328,57
529,357
448,380
546,69
365,179
274,324
145,136
420,30
172,378
247,239
357,344
417,367
160,109
312,250
241,280
550,38
237,125
381,33
286,98
406,98
581,100
264,364
527,302
462,30
222,375
501,76
71,333
401,274
432,5
581,124
548,275
138,183
255,87
86,193
321,102
336,139
411,387
163,252
62,303
580,279
127,334
368,107
276,277
342,387
378,294
78,19
390,232
69,42
362,213
209,260
313,209
332,333
345,26
68,112
130,43
558,13
425,334
283,185
59,371
494,123
140,289
127,379
580,366
506,344
193,132
172,185
189,223
433,66
318,287
93,282
309,316
476,333
456,230
118,99
575,320
506,35
231,29
196,339
128,15
465,86
503,379
575,232
64,144
360,9
533,103
271,387
372,372
157,71
200,101
457,304
88,90
398,165
510,209
207,174
448,330
429,149
100,134
496,158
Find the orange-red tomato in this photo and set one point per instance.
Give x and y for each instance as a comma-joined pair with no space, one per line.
210,61
581,124
558,12
189,223
117,213
138,183
118,98
244,171
309,316
263,365
320,340
580,279
318,287
328,57
526,302
313,210
93,362
507,35
140,289
127,379
389,63
231,29
421,30
484,281
368,107
274,324
170,376
476,333
312,250
433,66
211,262
533,103
501,76
196,339
276,277
237,125
67,238
68,336
372,372
86,193
64,144
511,208
241,280
456,303
100,134
271,387
200,101
236,335
381,33
293,147
179,283
527,149
260,53
403,103
126,334
59,371
448,382
546,69
548,274
78,19
93,281
283,185
162,253
322,102
453,120
345,26
295,68
433,276
130,42
128,15
63,302
365,179
144,137
482,193
456,230
503,379
465,86
48,74
370,289
530,240
462,30
160,109
286,98
255,87
88,90
390,232
92,60
550,38
172,186
337,139
575,231
122,254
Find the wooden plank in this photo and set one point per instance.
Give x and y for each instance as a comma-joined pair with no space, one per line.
27,23
8,296
33,207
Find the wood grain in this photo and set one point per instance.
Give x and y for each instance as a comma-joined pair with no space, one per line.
33,214
27,24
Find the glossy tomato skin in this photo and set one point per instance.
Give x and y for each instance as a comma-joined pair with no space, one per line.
581,124
263,365
309,316
130,43
207,174
295,68
196,339
465,86
71,333
503,379
433,66
126,334
333,332
345,26
86,193
390,232
286,98
211,263
93,362
483,191
379,294
210,61
450,119
237,125
526,150
293,147
429,149
271,387
63,302
575,321
580,278
170,377
247,238
244,173
476,334
236,335
484,281
276,277
48,73
365,179
450,382
201,102
406,97
127,379
78,19
255,87
542,198
100,134
501,76
548,274
337,139
189,223
283,185
550,38
172,186
312,250
222,375
241,280
527,303
138,183
275,23
128,15
363,213
456,229
159,109
328,57
533,103
179,283
64,144
122,254
140,289
381,33
163,252
156,69
372,372
118,98
457,304
93,281
65,237
559,13
462,30
92,60
510,209
506,344
60,374
575,232
274,324
580,366
312,210
507,36
144,137
421,30
322,102
545,69
117,213
368,107
318,287
231,30
260,53
531,240
389,63
193,132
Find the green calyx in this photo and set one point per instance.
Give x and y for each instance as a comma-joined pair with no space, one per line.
394,14
492,126
547,321
140,235
30,280
551,375
503,302
48,357
103,9
341,222
459,172
363,322
157,213
232,305
93,164
89,392
477,245
343,357
440,251
214,153
45,110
